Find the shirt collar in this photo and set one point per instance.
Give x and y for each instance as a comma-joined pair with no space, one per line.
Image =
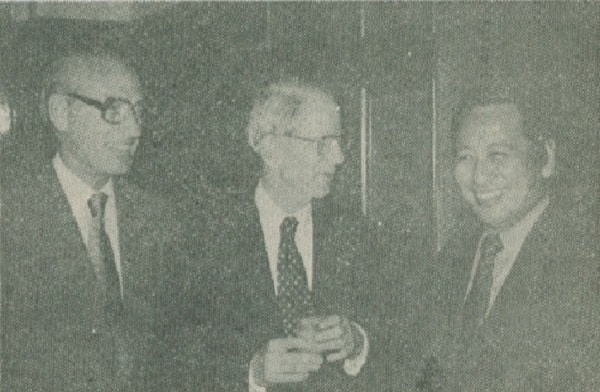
269,210
517,233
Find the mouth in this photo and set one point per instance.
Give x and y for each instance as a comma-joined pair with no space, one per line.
128,147
328,176
485,199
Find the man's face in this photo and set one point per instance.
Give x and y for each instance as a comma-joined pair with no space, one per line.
306,160
90,146
495,169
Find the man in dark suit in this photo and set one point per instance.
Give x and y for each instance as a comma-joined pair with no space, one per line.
84,252
289,280
519,295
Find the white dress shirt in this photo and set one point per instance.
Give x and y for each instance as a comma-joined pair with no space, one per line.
271,216
78,193
512,240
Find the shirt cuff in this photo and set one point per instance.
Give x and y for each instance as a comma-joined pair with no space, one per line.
354,365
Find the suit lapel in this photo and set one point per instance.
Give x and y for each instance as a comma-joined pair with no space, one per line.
57,212
126,231
258,265
522,281
321,264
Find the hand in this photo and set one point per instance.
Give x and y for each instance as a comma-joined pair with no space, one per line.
285,360
332,336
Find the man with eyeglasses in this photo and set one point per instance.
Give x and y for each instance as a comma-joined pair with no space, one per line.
87,249
288,286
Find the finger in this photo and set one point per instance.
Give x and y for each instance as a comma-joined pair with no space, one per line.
287,377
285,345
330,345
298,363
309,320
310,346
305,333
310,362
336,356
335,332
328,322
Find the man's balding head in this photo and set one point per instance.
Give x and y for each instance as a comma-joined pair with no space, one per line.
93,102
68,72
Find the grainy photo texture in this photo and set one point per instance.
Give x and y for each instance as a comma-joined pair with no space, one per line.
299,196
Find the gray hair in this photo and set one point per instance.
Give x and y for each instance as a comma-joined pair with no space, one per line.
278,109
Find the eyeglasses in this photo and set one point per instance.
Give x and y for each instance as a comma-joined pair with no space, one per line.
321,142
114,110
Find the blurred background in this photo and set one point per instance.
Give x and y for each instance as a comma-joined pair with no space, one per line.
398,70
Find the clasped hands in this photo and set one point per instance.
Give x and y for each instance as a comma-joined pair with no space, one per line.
317,339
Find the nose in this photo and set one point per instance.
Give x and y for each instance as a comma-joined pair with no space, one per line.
130,128
336,155
482,172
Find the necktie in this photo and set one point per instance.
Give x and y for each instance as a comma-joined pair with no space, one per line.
293,296
477,302
103,259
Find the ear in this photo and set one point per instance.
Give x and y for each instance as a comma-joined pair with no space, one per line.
266,149
252,140
549,167
58,112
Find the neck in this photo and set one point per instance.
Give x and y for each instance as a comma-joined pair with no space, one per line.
531,209
287,198
96,181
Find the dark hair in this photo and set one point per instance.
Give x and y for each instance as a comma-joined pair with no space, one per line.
540,118
539,113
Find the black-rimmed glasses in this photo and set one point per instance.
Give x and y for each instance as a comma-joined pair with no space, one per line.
114,110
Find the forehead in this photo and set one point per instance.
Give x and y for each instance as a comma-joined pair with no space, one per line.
493,124
318,116
103,78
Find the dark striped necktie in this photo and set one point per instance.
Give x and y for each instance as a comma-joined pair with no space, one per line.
103,258
477,302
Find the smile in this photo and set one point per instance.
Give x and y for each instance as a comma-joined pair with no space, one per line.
487,197
125,147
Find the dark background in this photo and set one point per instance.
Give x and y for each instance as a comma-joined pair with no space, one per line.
201,63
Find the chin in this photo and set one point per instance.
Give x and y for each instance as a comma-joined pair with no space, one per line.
119,169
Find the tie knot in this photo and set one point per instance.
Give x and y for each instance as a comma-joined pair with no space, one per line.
289,225
491,246
96,203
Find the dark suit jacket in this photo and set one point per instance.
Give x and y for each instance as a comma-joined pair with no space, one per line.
542,333
47,290
242,314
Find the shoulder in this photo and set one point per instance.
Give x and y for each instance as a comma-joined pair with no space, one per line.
338,218
29,190
133,198
462,242
566,235
143,210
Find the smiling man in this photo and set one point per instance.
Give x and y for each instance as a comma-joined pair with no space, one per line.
519,297
86,249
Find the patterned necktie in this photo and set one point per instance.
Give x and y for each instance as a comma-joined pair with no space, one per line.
293,296
103,259
477,302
